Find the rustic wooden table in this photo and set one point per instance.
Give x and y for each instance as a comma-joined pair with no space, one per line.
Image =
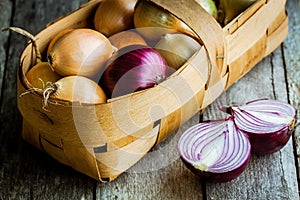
26,173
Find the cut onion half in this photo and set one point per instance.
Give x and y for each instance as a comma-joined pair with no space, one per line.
215,150
269,123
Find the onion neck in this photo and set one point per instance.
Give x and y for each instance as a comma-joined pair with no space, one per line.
50,59
50,89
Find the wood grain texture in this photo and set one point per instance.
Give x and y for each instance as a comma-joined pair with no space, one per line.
6,13
291,54
26,173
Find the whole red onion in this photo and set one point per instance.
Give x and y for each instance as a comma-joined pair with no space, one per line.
133,68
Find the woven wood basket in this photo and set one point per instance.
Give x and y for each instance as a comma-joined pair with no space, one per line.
104,140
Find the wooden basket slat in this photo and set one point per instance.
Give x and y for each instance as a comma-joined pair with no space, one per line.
240,59
31,134
248,59
257,25
82,159
54,151
113,163
281,17
237,22
214,91
278,34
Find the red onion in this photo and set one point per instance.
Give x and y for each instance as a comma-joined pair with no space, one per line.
269,123
215,150
133,68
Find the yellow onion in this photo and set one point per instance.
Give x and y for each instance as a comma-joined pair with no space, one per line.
209,6
113,16
232,8
80,52
41,74
177,48
126,38
75,89
56,37
158,20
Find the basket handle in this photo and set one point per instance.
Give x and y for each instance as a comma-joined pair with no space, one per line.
203,24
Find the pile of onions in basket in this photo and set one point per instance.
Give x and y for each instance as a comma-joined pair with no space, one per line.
67,73
120,66
75,55
219,150
74,65
136,67
84,54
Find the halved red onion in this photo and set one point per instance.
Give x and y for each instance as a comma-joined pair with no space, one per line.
269,123
133,68
215,150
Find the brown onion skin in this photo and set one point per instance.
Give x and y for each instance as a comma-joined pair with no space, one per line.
217,177
40,74
268,143
80,89
126,38
55,38
81,51
152,22
113,16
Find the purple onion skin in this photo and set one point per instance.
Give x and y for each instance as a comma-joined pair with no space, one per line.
133,68
217,177
268,143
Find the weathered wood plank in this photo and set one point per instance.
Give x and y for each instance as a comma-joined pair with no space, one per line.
291,52
287,155
6,11
159,175
26,173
